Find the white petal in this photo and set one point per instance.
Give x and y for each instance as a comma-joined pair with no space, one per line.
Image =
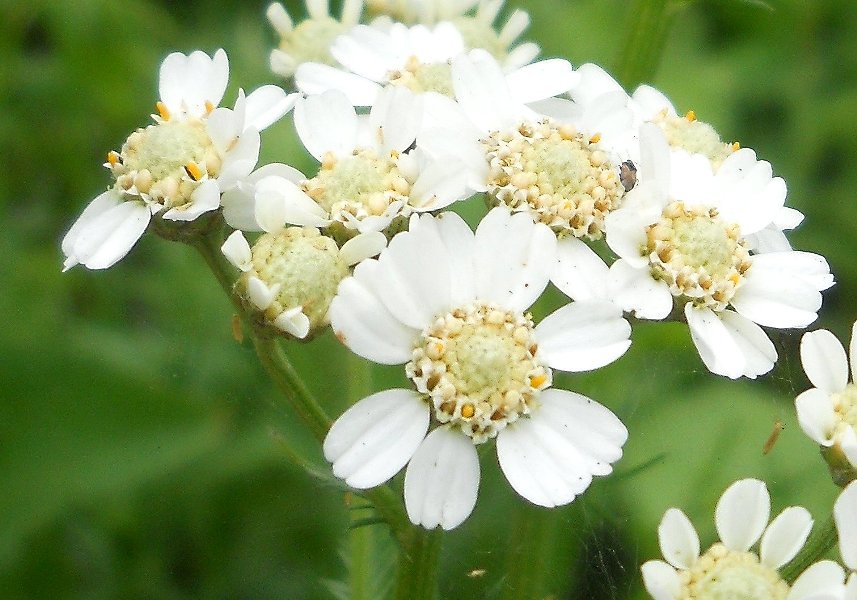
259,294
580,274
413,278
237,251
460,246
240,160
376,437
550,457
812,268
542,79
816,415
442,480
845,516
362,323
108,237
294,322
205,198
661,580
482,92
742,513
678,539
852,350
716,347
785,536
626,228
440,183
279,201
315,78
821,581
582,336
753,343
770,299
326,123
363,246
99,205
824,361
395,118
514,259
636,291
266,106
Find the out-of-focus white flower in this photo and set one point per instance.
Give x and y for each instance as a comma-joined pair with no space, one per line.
682,247
452,305
729,569
178,167
845,517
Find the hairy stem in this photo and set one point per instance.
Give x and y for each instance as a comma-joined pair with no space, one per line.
416,578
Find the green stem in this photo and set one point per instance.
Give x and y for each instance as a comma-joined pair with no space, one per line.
531,553
416,578
815,548
650,23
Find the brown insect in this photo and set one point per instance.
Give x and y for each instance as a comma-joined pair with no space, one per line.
775,435
628,175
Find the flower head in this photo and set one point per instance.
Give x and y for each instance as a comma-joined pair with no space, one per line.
730,569
177,167
452,306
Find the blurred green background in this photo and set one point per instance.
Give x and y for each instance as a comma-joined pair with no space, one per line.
141,447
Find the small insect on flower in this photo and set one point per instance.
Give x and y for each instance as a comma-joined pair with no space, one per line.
628,175
775,435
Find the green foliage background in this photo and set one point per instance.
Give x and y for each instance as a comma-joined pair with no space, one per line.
142,450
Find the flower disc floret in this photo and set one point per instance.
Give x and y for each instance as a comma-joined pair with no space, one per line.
422,77
164,162
697,254
695,136
359,185
845,409
300,268
724,574
480,367
556,173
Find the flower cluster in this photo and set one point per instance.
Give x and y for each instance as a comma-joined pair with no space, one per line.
413,114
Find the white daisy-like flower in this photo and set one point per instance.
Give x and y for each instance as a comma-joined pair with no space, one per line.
452,305
681,239
730,569
178,167
370,172
562,173
845,518
828,412
309,40
290,276
416,57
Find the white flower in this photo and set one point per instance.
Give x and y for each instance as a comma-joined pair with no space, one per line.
370,174
291,275
451,304
681,240
729,569
310,40
179,166
828,412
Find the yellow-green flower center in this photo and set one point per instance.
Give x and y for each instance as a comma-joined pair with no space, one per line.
702,258
310,41
477,33
557,174
723,574
845,407
480,367
164,162
358,186
303,267
424,77
694,136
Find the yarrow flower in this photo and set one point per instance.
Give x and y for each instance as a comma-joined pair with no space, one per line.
309,40
827,413
681,238
178,167
729,568
452,305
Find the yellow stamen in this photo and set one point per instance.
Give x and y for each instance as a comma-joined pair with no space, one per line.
113,158
538,380
736,146
163,110
595,138
467,411
193,171
690,116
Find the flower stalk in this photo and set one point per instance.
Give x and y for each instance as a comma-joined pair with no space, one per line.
650,23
